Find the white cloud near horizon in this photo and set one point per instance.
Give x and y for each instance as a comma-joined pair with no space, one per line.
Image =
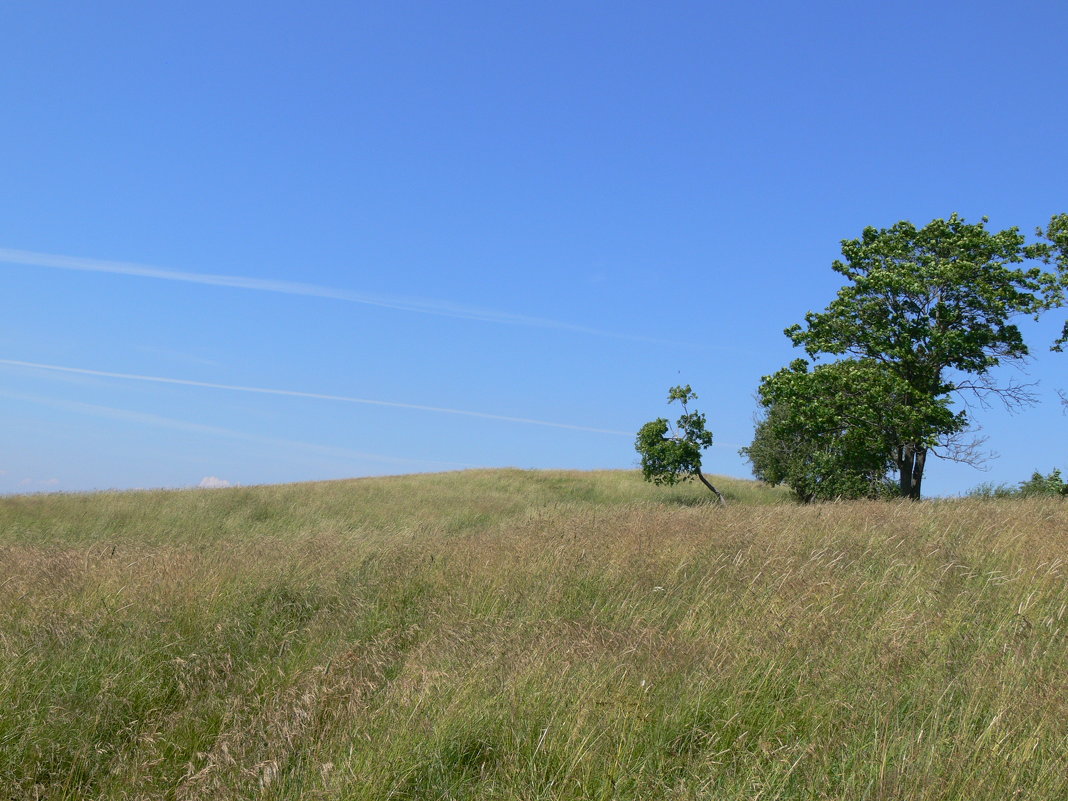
441,308
311,395
213,482
34,482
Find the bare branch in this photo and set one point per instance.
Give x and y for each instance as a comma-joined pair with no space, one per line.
964,447
982,389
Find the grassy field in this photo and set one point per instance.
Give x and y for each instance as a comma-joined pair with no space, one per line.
530,635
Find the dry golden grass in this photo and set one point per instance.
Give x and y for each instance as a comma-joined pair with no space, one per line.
530,635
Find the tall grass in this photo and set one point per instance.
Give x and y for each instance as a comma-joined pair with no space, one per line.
530,635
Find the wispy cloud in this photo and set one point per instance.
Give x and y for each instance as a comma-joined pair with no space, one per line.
441,308
144,418
34,482
176,355
311,395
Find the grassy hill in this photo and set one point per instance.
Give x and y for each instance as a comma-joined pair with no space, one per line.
530,635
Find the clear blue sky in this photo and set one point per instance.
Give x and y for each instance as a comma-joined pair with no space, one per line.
537,211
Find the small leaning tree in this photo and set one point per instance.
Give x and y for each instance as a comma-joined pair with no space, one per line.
674,456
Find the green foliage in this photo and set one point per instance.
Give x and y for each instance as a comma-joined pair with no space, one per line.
665,459
823,433
991,491
1039,485
932,306
673,456
928,299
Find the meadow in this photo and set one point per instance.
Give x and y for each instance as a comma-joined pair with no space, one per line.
530,635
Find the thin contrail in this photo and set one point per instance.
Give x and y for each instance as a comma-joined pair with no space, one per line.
144,418
419,305
314,395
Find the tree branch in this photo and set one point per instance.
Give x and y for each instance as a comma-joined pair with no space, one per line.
964,447
983,388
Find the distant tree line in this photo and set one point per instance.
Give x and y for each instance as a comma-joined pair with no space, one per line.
925,315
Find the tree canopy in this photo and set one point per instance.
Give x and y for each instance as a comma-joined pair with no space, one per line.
828,433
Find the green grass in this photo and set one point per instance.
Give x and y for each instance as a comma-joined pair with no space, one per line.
530,635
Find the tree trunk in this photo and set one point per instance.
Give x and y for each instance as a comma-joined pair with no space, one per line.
706,482
910,461
917,472
903,459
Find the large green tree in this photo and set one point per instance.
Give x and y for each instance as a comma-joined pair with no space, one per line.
1054,251
674,456
933,308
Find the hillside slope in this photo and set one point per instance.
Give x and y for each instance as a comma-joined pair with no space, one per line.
450,502
530,635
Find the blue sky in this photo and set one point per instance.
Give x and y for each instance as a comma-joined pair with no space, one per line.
510,227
